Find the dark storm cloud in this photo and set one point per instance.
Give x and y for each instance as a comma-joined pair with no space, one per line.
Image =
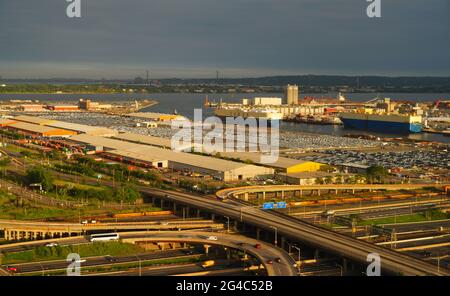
117,38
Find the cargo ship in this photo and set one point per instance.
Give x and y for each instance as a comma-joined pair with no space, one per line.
258,113
384,123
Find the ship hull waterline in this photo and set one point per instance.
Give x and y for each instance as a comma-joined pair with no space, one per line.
382,126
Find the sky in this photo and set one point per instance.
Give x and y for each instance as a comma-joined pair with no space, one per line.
238,38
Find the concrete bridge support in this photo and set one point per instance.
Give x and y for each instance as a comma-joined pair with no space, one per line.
235,226
206,247
283,242
316,254
344,265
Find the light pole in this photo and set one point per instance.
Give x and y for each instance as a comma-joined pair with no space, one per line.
439,264
341,268
140,266
276,235
299,257
42,268
228,224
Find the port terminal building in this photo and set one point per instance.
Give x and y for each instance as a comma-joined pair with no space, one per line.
281,165
74,128
140,154
36,130
308,178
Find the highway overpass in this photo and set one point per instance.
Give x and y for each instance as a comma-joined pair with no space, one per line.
324,239
298,190
17,230
267,251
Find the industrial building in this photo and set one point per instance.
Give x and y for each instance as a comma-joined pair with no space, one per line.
84,129
5,122
263,101
63,108
152,141
135,158
353,168
144,139
34,119
307,178
218,168
292,94
282,165
32,108
74,127
89,105
35,130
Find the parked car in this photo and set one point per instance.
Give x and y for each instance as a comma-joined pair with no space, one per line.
51,245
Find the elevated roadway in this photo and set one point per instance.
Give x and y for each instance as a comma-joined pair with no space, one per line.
264,254
332,242
244,192
16,229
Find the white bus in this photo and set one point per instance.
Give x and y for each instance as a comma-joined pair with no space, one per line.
104,237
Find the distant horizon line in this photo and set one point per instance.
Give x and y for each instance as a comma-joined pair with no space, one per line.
62,78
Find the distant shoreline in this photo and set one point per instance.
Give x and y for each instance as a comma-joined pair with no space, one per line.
214,93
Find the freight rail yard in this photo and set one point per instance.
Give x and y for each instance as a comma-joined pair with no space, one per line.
63,182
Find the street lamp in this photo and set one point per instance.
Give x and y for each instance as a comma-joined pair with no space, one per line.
299,257
140,265
228,224
276,241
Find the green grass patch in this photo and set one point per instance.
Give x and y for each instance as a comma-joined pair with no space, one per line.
60,252
126,266
67,184
419,217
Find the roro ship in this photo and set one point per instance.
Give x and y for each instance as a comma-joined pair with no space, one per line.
384,123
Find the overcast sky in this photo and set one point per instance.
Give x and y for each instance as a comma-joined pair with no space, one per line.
240,38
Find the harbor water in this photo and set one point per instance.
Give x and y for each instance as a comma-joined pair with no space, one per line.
185,104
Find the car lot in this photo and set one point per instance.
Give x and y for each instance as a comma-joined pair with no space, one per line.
404,159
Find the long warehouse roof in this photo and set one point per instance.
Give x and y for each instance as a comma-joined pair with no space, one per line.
145,139
282,162
138,156
33,127
180,157
6,121
105,142
34,119
83,128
